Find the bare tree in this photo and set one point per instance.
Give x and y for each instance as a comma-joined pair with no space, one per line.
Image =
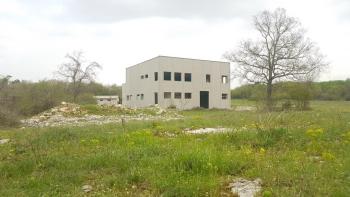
281,52
77,73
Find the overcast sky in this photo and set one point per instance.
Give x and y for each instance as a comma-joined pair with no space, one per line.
35,35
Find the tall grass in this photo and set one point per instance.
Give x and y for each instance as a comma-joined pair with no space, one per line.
284,149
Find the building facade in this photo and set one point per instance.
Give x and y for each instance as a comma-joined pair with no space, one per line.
178,82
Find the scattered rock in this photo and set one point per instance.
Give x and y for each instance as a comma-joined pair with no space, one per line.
68,114
4,141
87,188
207,130
245,108
245,188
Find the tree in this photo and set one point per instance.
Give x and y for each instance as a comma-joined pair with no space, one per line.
281,52
76,73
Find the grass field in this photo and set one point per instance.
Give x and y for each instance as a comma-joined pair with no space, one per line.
294,154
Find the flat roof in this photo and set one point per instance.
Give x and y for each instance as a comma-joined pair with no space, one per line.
159,56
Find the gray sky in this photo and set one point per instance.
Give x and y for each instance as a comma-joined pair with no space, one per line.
36,34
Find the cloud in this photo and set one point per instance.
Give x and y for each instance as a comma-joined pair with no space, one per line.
108,11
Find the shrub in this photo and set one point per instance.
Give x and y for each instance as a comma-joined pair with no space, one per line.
8,118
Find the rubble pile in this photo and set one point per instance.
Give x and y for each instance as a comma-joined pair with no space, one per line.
73,114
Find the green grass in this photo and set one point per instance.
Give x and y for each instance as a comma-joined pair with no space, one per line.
294,153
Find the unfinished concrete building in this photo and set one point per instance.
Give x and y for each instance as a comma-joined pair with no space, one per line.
177,82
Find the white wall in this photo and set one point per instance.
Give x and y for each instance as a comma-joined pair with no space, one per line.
198,68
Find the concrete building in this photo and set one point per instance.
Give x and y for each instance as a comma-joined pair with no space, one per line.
180,82
107,100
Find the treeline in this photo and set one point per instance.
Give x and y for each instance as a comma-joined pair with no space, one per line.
330,90
20,99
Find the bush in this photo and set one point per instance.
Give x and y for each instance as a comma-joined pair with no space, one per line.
8,118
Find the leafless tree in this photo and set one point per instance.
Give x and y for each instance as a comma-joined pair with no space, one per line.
281,52
76,72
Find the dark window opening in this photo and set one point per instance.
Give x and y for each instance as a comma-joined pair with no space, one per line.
177,95
188,77
146,76
224,96
108,99
167,95
177,76
188,95
207,78
142,96
155,76
142,76
167,76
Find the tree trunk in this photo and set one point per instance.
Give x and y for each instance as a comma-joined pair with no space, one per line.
269,101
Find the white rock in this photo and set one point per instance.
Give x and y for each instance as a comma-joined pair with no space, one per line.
207,130
245,188
4,141
245,108
87,188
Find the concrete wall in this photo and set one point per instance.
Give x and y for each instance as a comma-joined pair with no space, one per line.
107,100
134,85
198,68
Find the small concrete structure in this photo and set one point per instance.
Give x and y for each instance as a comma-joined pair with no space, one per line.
178,82
107,100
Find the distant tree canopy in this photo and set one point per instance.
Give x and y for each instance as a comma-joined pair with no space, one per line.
27,98
329,90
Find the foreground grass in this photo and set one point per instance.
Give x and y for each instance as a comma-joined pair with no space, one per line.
294,153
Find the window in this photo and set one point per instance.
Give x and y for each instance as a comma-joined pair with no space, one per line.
155,76
109,99
207,78
188,95
224,96
177,95
101,99
188,77
146,76
137,97
167,76
224,79
167,95
142,96
142,76
177,76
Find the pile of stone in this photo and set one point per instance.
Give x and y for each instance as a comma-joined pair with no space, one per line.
68,114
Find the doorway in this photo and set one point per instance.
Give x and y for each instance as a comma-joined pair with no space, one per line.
156,98
204,99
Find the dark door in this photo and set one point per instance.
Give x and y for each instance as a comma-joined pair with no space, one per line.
156,98
204,99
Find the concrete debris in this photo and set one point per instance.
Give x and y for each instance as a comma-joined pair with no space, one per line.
87,188
4,141
69,114
245,108
207,130
245,188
